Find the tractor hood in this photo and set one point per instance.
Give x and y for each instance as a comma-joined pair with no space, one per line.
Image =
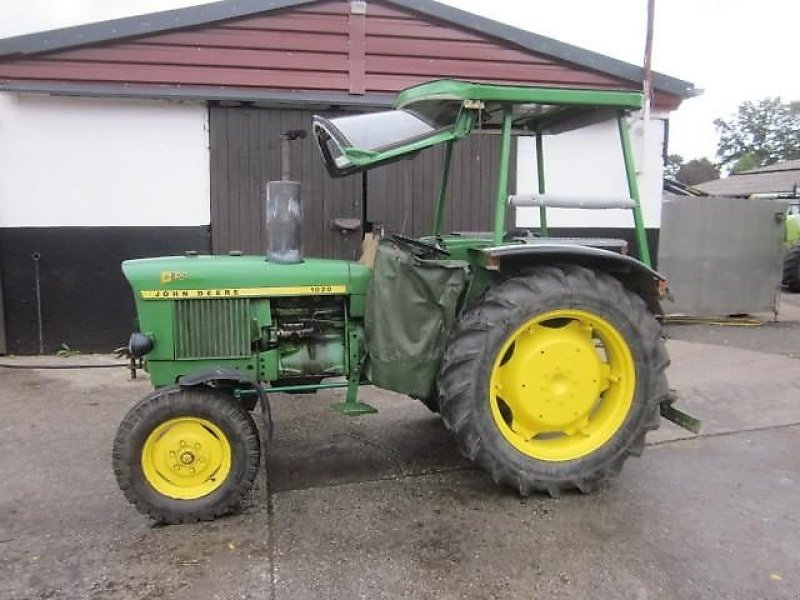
181,277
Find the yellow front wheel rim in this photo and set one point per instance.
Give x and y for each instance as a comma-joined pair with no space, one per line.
186,458
562,385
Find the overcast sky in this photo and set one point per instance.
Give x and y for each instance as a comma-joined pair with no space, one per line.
735,50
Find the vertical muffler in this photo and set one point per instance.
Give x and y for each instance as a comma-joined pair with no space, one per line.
284,210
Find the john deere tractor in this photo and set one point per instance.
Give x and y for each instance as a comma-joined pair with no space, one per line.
791,260
543,356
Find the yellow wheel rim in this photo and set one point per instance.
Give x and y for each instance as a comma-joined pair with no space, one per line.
562,385
186,458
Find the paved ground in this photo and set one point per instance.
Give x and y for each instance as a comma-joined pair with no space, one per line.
383,506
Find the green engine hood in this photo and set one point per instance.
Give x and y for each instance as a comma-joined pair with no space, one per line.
173,277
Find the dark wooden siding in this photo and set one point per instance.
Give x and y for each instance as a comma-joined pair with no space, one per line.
245,154
315,47
402,195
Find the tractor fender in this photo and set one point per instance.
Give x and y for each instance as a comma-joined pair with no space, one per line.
214,374
634,274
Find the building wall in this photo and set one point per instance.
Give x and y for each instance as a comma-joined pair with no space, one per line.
93,162
84,184
589,163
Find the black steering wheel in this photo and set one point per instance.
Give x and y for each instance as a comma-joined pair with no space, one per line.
416,244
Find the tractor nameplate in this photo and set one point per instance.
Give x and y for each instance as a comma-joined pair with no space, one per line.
302,290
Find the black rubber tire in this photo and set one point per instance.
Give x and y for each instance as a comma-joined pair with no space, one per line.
432,404
201,402
475,340
791,269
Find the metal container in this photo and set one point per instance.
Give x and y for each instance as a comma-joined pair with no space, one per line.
722,256
284,215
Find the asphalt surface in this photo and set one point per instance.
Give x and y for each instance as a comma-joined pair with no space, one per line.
383,506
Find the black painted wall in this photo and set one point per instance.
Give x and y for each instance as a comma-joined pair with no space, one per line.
85,301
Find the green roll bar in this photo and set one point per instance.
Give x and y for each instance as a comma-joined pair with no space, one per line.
555,110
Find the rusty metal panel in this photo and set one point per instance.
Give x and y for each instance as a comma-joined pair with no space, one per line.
722,256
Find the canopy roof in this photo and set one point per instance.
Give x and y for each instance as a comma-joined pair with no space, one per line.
444,110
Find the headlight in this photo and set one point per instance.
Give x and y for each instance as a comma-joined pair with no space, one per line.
139,344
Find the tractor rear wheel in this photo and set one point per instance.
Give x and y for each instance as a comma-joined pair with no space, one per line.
186,454
791,269
552,379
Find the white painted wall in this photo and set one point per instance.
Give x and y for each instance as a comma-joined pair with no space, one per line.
588,162
68,161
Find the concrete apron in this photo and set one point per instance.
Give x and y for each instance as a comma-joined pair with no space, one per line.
730,389
384,507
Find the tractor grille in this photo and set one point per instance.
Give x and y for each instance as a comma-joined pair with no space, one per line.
212,328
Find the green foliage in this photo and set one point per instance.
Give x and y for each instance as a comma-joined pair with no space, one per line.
673,165
697,170
746,162
760,134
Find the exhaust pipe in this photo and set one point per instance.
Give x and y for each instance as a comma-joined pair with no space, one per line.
284,210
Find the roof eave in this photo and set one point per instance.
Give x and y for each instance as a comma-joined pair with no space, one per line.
198,93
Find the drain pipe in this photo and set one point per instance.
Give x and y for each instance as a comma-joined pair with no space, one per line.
37,256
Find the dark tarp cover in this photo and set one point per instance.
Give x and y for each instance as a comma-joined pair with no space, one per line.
411,305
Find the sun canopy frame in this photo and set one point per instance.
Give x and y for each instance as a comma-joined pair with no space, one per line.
445,111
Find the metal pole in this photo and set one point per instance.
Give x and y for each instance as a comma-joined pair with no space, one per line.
647,80
36,256
286,174
439,217
648,53
633,189
540,177
501,197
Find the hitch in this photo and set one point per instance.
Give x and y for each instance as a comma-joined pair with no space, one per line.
677,416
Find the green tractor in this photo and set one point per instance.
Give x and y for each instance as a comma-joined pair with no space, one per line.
543,356
791,260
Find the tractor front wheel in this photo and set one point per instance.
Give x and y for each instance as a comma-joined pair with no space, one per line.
553,378
185,455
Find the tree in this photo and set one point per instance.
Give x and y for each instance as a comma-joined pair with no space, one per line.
673,165
697,170
746,162
760,134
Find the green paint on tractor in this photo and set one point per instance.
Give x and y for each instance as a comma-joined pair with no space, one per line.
484,328
791,260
